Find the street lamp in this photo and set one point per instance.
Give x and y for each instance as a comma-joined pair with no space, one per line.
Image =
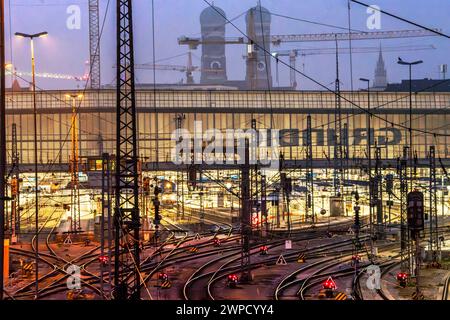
410,64
74,166
36,191
369,153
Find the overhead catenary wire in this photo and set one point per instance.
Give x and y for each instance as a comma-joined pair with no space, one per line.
66,139
403,19
322,85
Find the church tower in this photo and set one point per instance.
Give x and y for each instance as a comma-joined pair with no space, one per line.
380,81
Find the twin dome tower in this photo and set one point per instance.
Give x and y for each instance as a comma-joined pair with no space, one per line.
214,62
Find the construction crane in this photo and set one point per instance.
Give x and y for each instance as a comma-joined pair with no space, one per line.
188,69
294,53
94,44
193,43
59,76
276,40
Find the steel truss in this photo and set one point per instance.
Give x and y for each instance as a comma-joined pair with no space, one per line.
127,222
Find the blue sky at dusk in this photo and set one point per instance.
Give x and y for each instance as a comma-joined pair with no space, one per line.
66,51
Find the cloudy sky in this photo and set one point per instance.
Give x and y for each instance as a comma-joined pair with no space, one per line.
66,50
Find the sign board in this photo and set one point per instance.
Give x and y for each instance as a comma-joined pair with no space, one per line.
281,260
288,244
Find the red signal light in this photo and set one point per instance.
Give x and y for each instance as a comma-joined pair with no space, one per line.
103,259
329,284
402,276
232,277
163,276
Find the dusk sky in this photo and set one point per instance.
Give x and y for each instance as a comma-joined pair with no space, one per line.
65,51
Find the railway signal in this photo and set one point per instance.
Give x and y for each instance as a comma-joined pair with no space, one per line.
163,276
217,242
263,250
356,259
232,281
103,260
402,279
329,286
415,211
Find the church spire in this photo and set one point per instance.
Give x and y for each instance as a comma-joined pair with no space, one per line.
380,72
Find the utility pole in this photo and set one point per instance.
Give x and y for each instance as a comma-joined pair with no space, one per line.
378,193
265,228
180,202
433,217
369,155
2,143
106,211
75,223
310,170
416,225
410,128
286,185
356,228
127,277
255,175
389,189
156,204
338,154
404,230
246,209
15,185
36,175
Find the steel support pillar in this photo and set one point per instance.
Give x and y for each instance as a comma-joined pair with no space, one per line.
246,209
433,216
126,215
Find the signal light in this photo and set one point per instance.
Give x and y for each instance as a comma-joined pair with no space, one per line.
232,277
402,275
263,250
402,279
329,284
103,259
163,276
232,280
216,242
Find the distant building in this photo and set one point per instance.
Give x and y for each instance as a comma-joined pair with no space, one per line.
380,81
422,85
258,75
214,61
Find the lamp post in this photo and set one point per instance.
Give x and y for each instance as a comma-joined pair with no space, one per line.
36,191
74,166
415,236
369,153
410,64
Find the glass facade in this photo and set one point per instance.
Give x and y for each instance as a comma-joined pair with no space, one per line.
283,110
